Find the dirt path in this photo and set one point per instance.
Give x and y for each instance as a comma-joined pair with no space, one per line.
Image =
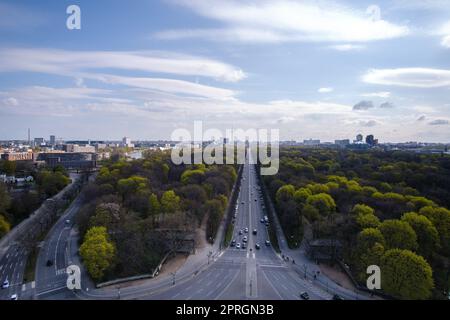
337,276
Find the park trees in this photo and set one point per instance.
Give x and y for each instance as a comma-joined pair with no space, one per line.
170,202
440,217
323,202
398,234
427,234
4,226
97,252
406,275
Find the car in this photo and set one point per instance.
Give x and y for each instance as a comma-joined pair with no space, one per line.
255,231
244,239
246,230
14,297
256,200
233,243
337,297
257,246
49,263
267,243
240,232
5,284
243,202
238,246
244,246
67,221
267,223
304,295
235,215
262,220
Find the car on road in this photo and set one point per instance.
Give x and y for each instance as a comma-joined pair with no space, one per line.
267,223
67,221
257,246
233,243
255,232
262,220
244,239
256,200
304,295
243,202
14,297
49,263
246,230
244,246
240,232
238,246
5,284
267,243
337,297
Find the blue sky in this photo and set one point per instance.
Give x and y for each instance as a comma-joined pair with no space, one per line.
141,68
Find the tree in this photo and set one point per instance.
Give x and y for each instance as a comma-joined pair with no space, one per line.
301,195
285,193
51,182
170,202
4,226
192,176
154,205
362,209
97,252
440,217
369,250
9,167
427,235
131,185
322,202
367,221
398,234
5,199
406,275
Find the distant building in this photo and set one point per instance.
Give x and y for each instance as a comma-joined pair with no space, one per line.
52,140
75,148
371,141
311,142
359,139
17,156
38,142
342,143
69,160
126,142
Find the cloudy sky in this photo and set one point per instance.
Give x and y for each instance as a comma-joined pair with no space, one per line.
143,68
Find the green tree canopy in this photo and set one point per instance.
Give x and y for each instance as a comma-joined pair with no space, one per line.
4,226
285,193
440,217
406,275
97,252
427,235
398,234
301,195
322,202
170,202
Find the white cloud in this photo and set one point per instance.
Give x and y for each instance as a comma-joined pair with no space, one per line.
439,122
325,90
368,123
446,41
286,20
166,85
347,47
409,77
11,102
382,94
64,62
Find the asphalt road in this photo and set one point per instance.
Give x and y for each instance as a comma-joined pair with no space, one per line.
12,267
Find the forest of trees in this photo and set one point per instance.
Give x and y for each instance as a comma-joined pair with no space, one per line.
17,206
135,210
386,208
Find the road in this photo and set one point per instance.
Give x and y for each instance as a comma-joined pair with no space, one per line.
13,262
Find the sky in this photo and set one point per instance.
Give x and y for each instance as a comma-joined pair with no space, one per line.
143,68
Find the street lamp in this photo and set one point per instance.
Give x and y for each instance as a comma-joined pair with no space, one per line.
209,255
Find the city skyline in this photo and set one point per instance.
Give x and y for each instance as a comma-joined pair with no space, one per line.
313,69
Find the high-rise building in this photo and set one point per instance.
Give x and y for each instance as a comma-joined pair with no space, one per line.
52,140
359,138
342,143
370,140
126,142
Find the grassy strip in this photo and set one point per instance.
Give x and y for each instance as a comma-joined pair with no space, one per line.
228,234
30,266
